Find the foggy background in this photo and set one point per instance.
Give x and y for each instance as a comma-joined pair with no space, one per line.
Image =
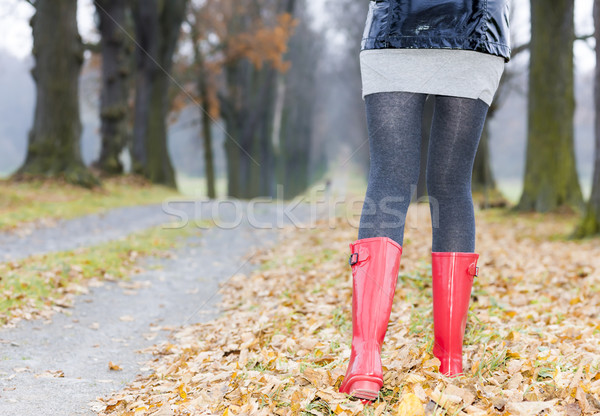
339,127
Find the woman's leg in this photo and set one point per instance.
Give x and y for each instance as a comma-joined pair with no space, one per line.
455,133
394,125
394,121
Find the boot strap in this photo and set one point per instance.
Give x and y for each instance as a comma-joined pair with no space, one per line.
361,254
473,270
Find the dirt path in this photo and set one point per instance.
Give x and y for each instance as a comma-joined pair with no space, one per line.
58,368
87,230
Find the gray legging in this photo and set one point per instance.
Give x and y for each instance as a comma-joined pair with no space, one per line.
394,123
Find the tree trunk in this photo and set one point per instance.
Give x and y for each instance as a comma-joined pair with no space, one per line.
295,119
157,26
232,152
116,68
278,110
550,174
205,110
235,109
232,148
246,107
258,115
266,170
483,179
209,165
590,225
54,148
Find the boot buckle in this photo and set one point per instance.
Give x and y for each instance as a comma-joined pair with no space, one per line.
353,259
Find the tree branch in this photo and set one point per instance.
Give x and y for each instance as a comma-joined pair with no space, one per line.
585,37
92,47
525,46
518,49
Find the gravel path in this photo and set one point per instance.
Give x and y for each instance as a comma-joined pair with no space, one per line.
58,368
90,229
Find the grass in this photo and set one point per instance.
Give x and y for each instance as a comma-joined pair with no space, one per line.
308,261
196,186
551,226
41,282
491,361
418,294
340,320
43,200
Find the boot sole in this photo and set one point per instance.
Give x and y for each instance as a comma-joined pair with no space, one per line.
363,389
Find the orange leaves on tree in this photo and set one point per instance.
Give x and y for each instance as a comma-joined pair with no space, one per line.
230,30
225,33
265,44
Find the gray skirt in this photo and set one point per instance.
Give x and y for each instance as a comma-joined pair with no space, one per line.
452,72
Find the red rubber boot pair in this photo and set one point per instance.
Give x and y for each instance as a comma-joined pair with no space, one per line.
375,263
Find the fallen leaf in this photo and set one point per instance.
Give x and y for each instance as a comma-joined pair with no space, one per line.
51,374
572,409
529,408
114,367
410,405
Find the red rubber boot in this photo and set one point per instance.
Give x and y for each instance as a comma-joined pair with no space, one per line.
375,263
453,275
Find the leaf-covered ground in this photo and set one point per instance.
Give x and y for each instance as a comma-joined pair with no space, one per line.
281,347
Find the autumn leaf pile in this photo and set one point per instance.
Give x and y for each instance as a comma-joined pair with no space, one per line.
281,347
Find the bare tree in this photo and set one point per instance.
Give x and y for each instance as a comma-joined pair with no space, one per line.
590,225
54,140
116,50
157,28
197,21
483,178
550,174
297,96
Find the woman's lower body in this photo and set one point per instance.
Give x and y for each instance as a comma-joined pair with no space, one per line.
394,125
396,83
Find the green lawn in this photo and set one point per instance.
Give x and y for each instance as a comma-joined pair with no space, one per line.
42,200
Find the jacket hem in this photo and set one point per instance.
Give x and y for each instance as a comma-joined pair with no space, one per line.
414,42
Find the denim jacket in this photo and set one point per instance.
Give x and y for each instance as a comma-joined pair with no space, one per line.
477,25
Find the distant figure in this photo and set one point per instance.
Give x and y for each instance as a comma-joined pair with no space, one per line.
454,50
328,189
